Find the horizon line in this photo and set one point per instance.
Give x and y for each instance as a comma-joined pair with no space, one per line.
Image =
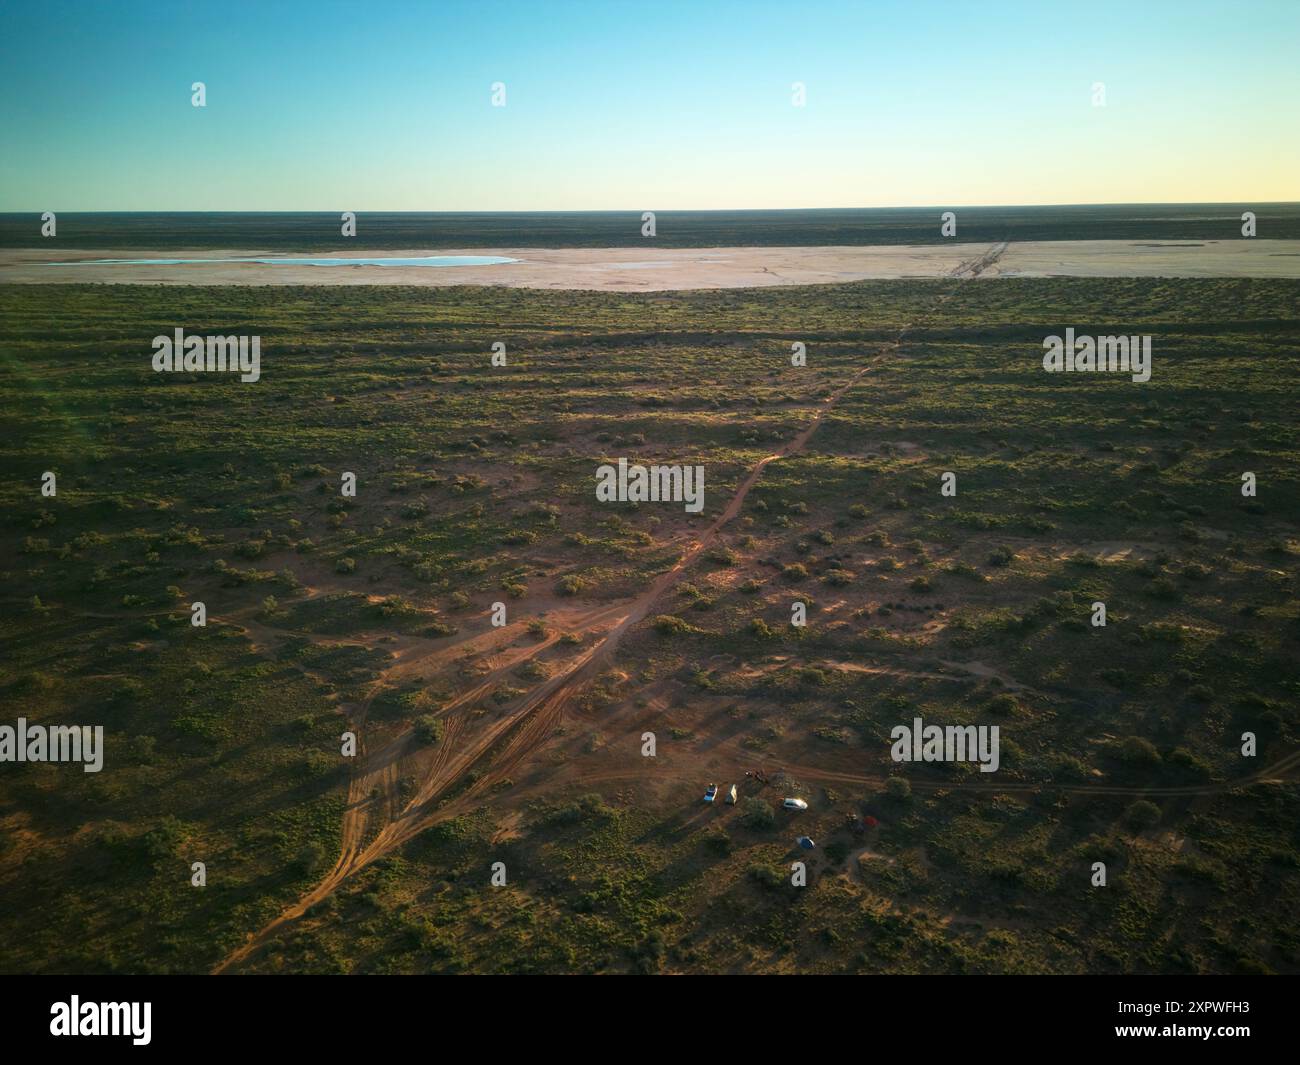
660,210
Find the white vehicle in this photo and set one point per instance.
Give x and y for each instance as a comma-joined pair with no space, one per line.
794,804
731,795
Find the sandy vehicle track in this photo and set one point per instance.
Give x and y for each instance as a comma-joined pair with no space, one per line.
522,731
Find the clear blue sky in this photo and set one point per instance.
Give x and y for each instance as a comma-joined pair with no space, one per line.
662,105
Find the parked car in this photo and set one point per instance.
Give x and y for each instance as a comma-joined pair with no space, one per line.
731,795
710,793
794,804
806,843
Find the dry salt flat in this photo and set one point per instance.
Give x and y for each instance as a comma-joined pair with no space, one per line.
648,269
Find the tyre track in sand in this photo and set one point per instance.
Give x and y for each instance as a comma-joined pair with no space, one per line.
507,743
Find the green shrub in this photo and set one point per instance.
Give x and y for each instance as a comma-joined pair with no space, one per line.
310,858
1142,814
571,584
1137,750
899,788
428,729
718,841
757,814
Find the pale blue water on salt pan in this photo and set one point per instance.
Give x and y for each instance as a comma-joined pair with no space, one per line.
427,260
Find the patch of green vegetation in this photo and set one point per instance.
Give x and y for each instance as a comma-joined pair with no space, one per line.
222,743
